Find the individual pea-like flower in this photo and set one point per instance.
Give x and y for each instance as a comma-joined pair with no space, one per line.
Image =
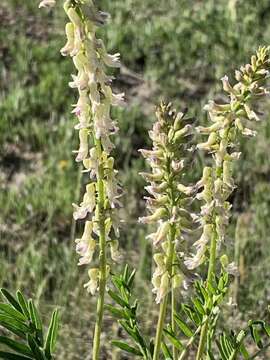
69,47
201,246
169,197
230,268
86,245
88,204
83,150
95,127
94,275
230,121
47,3
115,253
163,287
92,284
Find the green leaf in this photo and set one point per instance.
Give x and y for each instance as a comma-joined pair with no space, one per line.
211,289
152,347
221,351
15,345
14,325
129,330
173,339
120,314
267,329
126,273
8,309
118,283
52,334
183,327
240,337
244,352
226,346
198,305
23,303
192,315
203,292
123,346
117,299
256,337
35,348
10,356
131,278
166,352
221,284
34,315
139,337
210,355
36,321
11,299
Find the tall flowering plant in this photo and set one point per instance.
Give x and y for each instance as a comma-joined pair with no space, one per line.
100,203
168,204
230,121
169,200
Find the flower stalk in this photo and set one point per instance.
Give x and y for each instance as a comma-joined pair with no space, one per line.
230,121
101,200
167,205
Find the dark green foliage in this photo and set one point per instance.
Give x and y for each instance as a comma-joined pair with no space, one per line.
204,308
23,320
127,314
233,346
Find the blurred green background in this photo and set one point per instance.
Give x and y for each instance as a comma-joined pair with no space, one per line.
171,49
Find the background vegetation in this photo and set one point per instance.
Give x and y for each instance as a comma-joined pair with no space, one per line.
175,50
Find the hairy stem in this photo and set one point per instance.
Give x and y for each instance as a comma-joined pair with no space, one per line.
102,256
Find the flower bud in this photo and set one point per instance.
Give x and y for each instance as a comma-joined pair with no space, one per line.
83,150
227,174
115,253
177,281
67,49
164,287
162,232
210,142
158,215
227,86
74,17
187,190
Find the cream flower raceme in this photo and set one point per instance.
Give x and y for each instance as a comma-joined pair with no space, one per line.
229,121
169,197
95,127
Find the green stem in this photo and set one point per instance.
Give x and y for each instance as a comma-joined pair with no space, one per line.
237,249
211,271
102,255
163,305
212,259
212,262
173,305
189,343
161,318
